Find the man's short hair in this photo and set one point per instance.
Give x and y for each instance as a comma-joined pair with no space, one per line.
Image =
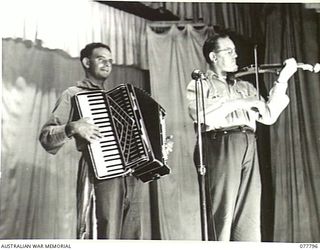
87,51
211,44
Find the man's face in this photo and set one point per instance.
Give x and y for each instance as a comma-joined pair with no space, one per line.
226,56
100,63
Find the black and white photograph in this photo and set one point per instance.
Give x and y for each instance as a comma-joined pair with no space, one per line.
192,124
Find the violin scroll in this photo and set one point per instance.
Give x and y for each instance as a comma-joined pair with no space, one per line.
308,67
316,68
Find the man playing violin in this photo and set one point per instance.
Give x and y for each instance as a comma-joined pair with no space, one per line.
229,142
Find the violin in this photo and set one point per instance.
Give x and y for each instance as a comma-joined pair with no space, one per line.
274,68
268,68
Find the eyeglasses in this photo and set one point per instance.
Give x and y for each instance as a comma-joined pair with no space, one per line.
229,51
104,61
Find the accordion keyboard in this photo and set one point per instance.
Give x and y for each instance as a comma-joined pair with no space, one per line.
105,153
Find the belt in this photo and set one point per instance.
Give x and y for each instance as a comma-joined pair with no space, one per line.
230,130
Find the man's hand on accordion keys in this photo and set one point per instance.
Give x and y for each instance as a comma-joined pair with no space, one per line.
84,129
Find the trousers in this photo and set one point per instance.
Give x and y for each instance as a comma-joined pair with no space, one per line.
122,209
233,185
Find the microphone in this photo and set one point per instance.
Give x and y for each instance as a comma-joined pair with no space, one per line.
196,74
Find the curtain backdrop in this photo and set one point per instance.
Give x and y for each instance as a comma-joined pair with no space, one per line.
292,31
233,16
70,25
172,56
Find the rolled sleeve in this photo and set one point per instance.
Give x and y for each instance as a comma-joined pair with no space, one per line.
279,89
278,100
53,135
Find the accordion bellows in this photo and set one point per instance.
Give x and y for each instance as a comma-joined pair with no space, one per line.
132,125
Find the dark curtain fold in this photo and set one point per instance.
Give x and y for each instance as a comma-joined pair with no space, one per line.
292,31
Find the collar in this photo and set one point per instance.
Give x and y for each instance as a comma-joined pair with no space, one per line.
212,74
229,78
88,84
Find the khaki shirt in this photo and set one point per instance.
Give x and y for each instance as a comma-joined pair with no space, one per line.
53,135
223,108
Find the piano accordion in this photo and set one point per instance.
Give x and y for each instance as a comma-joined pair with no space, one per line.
132,125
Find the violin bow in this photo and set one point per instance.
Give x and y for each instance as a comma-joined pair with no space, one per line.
256,69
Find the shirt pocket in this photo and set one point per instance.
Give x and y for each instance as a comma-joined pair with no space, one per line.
216,92
241,93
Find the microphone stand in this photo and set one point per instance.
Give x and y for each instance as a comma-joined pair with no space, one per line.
201,169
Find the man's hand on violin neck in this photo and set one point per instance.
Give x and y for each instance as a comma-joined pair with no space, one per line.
290,67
